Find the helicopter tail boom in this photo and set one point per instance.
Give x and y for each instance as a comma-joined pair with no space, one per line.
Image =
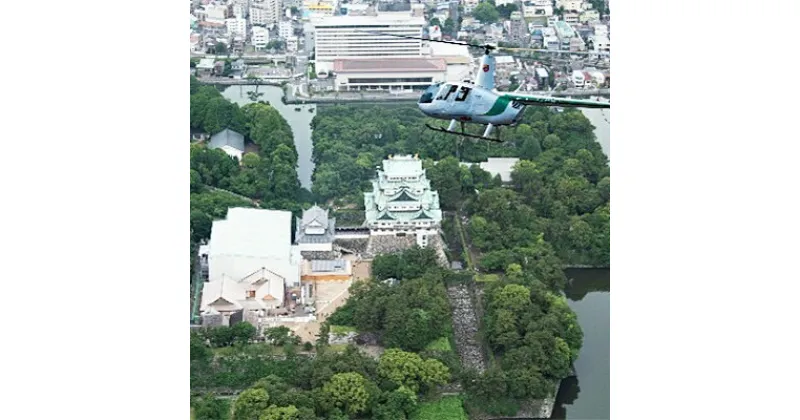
552,101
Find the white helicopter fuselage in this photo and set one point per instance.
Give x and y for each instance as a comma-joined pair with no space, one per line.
467,102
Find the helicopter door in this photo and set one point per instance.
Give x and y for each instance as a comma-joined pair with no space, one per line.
462,103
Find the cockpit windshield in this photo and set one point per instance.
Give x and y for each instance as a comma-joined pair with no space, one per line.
427,96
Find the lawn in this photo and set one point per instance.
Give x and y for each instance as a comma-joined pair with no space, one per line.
448,408
337,348
441,344
486,278
342,329
255,348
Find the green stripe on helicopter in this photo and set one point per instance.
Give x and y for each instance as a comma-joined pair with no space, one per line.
499,106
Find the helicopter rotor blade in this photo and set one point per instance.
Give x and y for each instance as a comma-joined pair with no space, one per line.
540,50
487,46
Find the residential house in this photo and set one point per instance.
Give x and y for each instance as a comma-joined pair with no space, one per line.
237,69
229,141
205,67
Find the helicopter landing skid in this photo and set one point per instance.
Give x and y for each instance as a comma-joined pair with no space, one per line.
444,130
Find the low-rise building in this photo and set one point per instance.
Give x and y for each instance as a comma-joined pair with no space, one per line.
229,141
251,262
292,43
259,37
236,27
205,67
315,230
285,29
215,13
589,16
497,166
388,73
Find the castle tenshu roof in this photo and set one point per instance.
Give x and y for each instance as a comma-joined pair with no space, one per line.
405,179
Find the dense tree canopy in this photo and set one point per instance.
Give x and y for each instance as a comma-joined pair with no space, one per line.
351,140
561,188
268,177
408,315
485,12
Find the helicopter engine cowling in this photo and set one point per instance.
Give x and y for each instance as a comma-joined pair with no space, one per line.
486,72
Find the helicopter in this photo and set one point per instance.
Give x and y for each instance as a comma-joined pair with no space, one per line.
479,102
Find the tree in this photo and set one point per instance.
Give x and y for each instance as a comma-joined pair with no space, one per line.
243,332
505,10
280,413
348,391
486,13
281,335
445,178
220,49
200,225
210,408
448,27
405,369
250,404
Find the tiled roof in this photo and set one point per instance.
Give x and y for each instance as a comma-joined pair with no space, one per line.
387,65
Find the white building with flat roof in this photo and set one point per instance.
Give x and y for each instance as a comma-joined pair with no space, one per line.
251,260
292,43
570,5
215,13
239,10
285,29
265,12
259,37
497,166
359,37
236,27
388,73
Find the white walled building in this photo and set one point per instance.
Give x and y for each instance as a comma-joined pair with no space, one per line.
229,142
285,29
292,43
354,37
401,202
570,5
216,13
236,27
251,261
534,8
388,73
497,166
259,37
240,10
265,12
571,17
589,16
469,5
